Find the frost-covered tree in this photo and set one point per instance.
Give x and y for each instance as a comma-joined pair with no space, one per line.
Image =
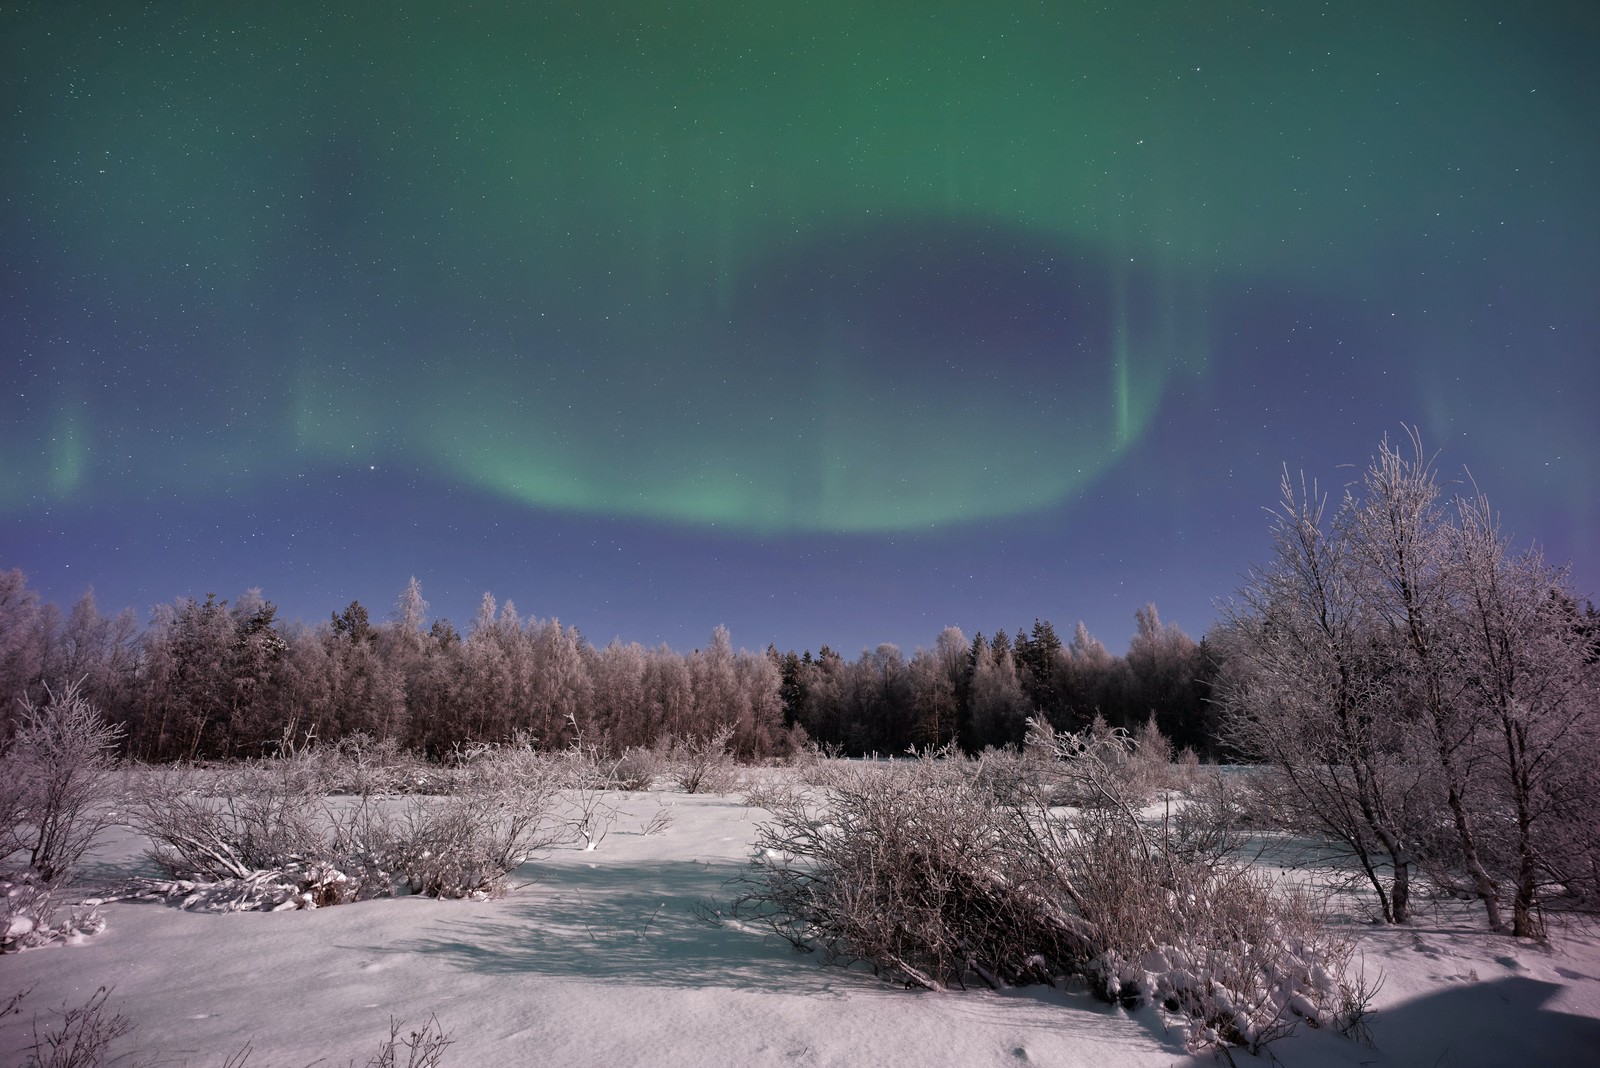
559,681
366,696
188,654
1400,536
716,686
57,773
1424,695
1528,675
1305,694
669,693
617,709
24,641
999,707
1040,660
883,701
822,710
760,705
434,689
1093,682
490,672
938,684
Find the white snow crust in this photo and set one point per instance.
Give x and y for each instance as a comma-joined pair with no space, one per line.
598,957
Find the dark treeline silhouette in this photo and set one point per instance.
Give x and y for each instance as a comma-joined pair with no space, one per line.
210,679
981,692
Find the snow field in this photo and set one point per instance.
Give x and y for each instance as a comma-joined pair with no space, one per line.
607,958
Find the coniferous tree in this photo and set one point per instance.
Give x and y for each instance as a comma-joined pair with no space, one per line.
1038,656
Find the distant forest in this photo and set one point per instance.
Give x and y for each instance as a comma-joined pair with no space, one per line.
212,679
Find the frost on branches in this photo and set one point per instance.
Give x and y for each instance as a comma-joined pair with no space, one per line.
56,795
937,871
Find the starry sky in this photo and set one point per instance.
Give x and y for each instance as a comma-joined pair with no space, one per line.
833,322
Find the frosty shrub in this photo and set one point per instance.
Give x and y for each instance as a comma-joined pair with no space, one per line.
370,767
931,876
704,765
1186,768
262,835
1221,811
56,784
82,1036
772,791
57,794
828,769
1011,777
1101,765
635,770
423,1048
908,872
209,824
1149,766
259,835
30,915
586,809
466,844
1181,926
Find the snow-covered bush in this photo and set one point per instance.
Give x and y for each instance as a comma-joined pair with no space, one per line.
207,824
1219,811
826,769
1149,766
704,765
636,769
1093,768
909,872
1010,776
423,1048
259,836
931,875
30,915
263,835
370,767
1179,925
57,785
772,791
466,844
80,1037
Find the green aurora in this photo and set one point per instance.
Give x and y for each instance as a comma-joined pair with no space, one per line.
830,267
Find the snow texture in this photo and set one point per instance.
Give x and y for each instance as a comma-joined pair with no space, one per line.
611,957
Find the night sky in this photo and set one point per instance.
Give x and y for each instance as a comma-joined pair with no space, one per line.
833,322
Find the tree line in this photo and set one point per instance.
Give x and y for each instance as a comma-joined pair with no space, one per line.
212,679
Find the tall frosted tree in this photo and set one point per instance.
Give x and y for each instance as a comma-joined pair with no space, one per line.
1304,694
999,705
1425,695
669,693
938,685
1531,679
1400,534
188,653
559,681
22,643
617,709
716,686
760,704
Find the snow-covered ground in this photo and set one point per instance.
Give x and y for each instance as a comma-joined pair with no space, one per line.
607,957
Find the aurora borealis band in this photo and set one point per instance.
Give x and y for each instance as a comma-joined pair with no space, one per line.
835,322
